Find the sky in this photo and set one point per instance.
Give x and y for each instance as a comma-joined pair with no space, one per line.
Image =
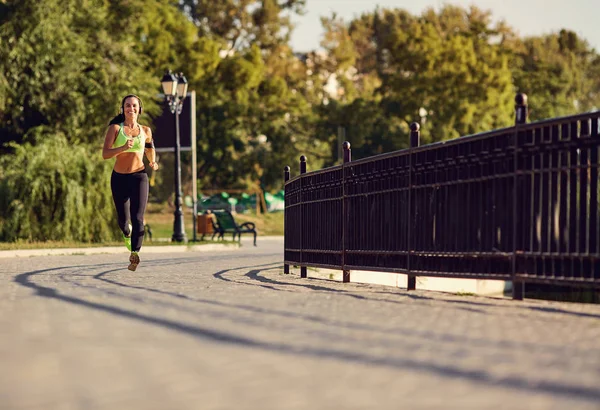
526,17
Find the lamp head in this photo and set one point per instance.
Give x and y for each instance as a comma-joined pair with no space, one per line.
182,86
169,84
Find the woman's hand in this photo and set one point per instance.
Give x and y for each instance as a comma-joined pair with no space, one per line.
154,165
128,144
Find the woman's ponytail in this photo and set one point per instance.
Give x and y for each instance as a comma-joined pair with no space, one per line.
118,119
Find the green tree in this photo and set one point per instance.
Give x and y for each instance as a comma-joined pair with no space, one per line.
559,73
253,121
446,70
253,113
240,24
68,64
65,69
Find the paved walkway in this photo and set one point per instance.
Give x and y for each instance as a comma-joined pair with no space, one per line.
228,330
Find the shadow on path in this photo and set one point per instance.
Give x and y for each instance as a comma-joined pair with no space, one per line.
405,363
426,335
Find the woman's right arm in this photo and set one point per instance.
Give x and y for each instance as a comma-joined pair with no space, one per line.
109,140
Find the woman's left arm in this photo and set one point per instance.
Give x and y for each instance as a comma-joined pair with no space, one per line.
149,148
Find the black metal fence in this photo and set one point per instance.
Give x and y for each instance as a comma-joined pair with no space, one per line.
519,204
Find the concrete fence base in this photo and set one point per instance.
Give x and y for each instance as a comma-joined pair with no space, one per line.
482,287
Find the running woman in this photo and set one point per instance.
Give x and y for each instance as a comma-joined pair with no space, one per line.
127,140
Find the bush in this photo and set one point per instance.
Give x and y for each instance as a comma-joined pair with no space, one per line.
54,190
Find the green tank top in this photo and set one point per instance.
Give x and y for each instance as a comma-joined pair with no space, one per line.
138,142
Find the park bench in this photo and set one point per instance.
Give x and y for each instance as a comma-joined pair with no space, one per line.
223,222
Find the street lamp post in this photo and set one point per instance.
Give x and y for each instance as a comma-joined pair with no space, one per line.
175,90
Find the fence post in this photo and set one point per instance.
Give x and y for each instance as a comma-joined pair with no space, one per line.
411,282
518,287
286,178
303,273
347,159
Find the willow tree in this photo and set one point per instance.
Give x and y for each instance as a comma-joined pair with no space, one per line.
55,190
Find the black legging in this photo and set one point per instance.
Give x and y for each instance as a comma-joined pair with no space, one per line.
130,193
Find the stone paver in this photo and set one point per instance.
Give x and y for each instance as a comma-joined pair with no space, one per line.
228,330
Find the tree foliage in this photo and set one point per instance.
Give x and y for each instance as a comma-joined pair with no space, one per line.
453,71
239,24
65,69
559,72
65,65
440,69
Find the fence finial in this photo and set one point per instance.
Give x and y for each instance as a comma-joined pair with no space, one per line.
521,108
346,147
415,134
302,164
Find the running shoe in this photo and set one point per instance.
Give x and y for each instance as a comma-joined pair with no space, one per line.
134,261
127,239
